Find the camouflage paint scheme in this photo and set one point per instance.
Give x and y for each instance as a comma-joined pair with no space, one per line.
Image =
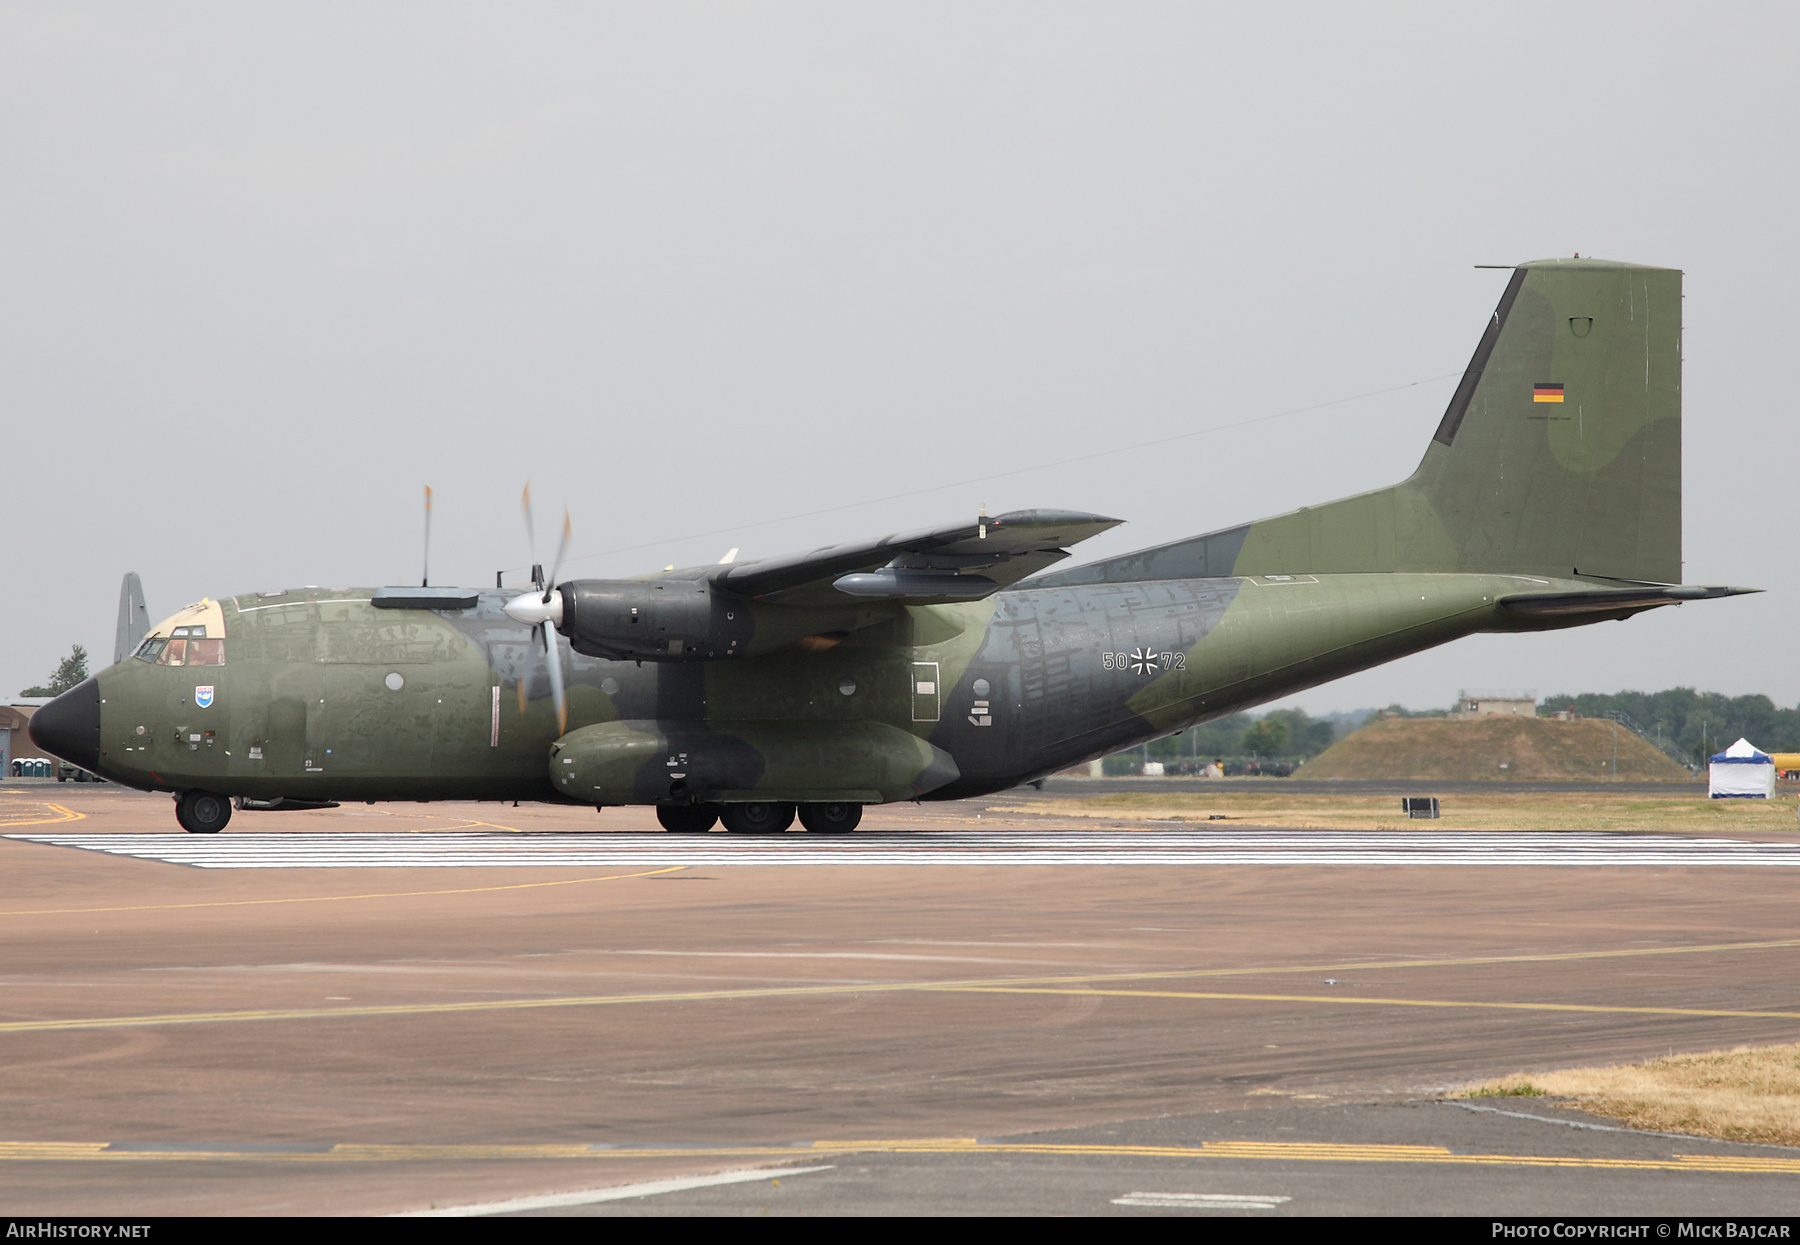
1525,514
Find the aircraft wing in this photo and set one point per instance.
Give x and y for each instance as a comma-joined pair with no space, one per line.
961,562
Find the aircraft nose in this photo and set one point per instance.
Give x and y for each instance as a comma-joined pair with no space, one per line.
69,726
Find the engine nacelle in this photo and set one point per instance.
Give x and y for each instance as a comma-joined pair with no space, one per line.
654,620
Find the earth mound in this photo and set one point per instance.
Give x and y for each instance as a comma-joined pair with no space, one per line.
1501,748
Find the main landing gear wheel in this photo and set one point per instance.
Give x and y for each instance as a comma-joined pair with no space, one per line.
830,818
757,818
687,818
202,812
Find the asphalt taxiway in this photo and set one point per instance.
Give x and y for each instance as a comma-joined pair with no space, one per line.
1424,1158
381,1033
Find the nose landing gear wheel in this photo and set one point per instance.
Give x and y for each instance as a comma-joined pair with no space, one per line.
830,818
687,818
202,812
758,818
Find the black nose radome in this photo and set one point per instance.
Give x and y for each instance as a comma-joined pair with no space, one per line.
69,726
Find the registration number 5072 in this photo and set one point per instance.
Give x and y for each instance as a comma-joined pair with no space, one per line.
1142,661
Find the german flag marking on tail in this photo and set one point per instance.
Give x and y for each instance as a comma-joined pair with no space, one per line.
1547,391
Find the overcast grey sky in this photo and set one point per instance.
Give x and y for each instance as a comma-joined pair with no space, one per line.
266,270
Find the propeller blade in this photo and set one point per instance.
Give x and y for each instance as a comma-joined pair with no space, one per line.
562,547
525,671
542,616
425,579
553,653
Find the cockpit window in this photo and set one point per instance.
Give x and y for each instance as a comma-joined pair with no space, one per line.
188,646
150,649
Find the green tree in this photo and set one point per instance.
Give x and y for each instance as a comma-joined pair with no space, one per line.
1398,710
1307,736
1218,738
1268,738
1698,723
72,671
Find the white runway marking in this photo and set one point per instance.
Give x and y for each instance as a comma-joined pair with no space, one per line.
1204,1201
463,849
618,1193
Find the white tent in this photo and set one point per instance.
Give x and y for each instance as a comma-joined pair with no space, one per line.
1741,773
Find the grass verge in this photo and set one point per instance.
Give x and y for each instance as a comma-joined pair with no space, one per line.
1677,813
1751,1093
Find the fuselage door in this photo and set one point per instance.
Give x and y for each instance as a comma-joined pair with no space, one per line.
926,693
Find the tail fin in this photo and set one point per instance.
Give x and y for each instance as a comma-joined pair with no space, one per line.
1560,454
1561,451
134,618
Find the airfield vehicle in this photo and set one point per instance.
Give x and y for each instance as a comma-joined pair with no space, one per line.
948,662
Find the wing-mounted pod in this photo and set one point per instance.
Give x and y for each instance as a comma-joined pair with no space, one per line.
653,620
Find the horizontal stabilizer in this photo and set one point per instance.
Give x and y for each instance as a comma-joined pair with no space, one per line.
1596,603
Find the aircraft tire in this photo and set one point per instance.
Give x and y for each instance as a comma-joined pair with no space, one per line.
760,817
687,818
202,812
832,818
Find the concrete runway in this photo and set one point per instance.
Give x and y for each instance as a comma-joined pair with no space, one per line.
937,1032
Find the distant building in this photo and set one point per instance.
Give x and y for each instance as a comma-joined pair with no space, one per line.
1472,705
15,744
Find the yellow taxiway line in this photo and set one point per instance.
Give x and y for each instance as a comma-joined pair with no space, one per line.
1366,1000
1277,1151
1004,986
251,903
62,814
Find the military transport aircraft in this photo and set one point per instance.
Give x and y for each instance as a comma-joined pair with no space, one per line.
939,663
